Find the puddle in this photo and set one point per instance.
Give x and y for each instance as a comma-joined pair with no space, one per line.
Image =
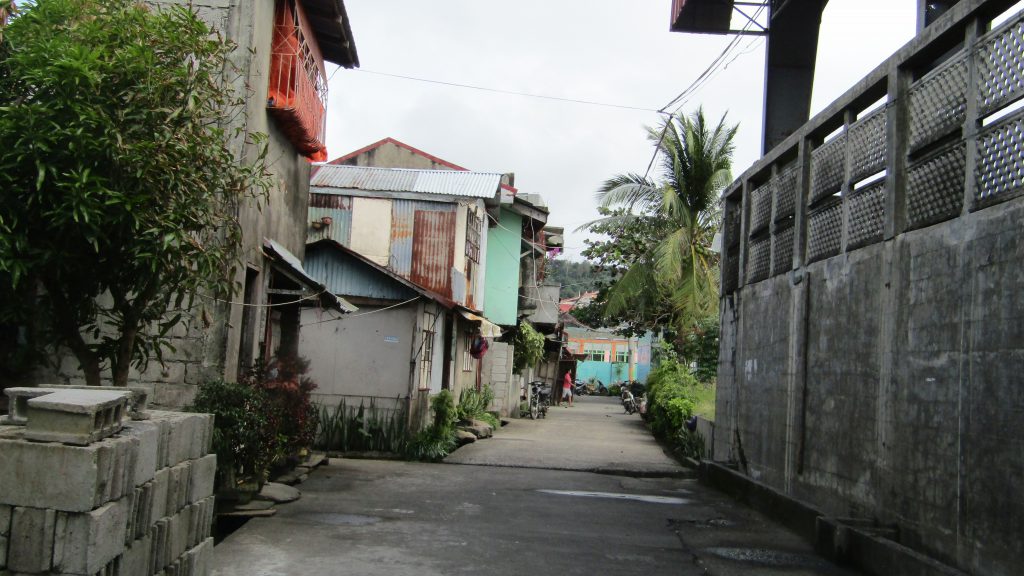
765,556
342,519
616,496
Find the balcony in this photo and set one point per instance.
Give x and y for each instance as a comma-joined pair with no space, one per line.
297,96
932,134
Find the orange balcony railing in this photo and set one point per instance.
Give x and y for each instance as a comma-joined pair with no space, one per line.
297,97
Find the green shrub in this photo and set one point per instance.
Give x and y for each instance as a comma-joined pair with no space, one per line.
438,439
243,438
473,406
364,428
290,412
671,396
614,390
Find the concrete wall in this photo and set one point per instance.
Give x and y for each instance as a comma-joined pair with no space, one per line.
137,503
910,407
872,339
360,357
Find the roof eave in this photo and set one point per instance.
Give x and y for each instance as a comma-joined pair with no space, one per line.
330,23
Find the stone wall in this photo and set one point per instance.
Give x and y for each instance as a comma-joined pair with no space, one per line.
136,503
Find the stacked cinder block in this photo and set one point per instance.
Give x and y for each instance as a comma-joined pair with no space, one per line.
136,502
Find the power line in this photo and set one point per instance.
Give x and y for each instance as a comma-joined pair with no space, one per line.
509,92
696,85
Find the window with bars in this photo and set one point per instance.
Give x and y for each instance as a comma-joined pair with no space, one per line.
426,360
472,236
622,356
467,358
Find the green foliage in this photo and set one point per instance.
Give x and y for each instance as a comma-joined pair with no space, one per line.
670,397
699,346
661,229
118,173
364,428
614,390
243,438
262,420
438,439
473,406
529,347
576,277
290,412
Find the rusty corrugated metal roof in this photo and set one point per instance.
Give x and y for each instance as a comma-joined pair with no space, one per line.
443,182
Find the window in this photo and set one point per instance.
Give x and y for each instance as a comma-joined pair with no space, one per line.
297,95
427,348
622,356
593,354
467,358
472,236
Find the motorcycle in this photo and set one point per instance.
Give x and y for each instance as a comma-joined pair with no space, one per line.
629,403
580,388
540,399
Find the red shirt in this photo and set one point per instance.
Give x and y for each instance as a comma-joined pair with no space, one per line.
568,381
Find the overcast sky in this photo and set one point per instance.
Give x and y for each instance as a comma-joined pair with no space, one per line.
612,51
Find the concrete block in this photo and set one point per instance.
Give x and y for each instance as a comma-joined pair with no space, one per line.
75,416
137,557
18,398
87,542
180,435
158,505
205,444
30,546
159,535
136,406
177,487
5,532
77,478
202,558
148,434
201,482
180,526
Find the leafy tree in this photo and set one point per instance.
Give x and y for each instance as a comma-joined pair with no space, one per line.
119,183
682,206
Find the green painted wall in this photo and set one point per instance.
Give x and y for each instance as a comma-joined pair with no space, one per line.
501,279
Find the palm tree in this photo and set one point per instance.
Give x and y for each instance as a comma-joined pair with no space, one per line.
695,161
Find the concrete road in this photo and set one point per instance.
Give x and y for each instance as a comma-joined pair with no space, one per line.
525,502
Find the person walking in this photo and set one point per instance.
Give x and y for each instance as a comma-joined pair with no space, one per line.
566,389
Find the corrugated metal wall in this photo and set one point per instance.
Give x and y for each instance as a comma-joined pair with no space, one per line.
339,209
433,246
346,276
402,222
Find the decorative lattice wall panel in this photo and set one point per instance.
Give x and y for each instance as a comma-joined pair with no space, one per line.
935,187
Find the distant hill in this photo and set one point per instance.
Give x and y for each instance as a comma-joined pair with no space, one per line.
575,277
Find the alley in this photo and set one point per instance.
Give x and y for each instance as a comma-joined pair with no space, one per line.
584,491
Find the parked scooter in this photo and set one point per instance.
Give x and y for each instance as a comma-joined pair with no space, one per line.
629,402
580,388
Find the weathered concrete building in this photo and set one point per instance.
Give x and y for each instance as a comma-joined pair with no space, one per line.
283,48
517,238
871,308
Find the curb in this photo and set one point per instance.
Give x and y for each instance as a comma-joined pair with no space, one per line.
857,543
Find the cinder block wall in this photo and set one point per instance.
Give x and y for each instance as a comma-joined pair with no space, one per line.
137,503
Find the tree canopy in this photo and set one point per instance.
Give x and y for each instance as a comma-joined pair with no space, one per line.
120,186
660,229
